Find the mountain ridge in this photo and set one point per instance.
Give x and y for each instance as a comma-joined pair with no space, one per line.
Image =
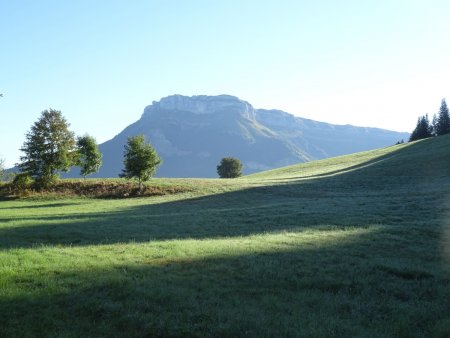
192,134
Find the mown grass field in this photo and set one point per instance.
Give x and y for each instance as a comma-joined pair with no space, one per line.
357,245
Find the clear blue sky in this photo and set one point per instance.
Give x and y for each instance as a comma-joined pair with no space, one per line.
370,63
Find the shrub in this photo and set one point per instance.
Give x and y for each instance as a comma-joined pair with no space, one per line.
22,182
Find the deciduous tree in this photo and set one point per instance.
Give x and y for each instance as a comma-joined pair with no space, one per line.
89,156
2,169
49,147
140,160
229,167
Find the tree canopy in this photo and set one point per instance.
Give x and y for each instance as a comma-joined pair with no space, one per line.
89,156
229,167
140,159
443,120
49,147
423,129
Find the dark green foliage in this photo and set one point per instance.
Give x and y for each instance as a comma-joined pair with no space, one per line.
49,147
423,129
443,120
89,157
229,167
140,159
22,182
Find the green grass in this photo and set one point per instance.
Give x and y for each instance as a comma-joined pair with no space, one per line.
357,245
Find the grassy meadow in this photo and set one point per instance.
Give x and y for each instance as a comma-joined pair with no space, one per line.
357,245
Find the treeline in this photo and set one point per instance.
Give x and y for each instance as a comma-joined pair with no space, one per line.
51,148
440,124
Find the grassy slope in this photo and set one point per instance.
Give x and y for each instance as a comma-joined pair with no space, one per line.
351,246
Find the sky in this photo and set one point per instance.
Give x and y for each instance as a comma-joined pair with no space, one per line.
368,63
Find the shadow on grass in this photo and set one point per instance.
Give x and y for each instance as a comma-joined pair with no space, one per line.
329,291
380,283
385,190
37,206
6,197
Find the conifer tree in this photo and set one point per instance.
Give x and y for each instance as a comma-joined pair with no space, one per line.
443,120
434,124
422,130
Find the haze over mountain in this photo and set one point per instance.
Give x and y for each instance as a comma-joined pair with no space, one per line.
192,134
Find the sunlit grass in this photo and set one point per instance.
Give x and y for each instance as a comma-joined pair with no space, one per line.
350,246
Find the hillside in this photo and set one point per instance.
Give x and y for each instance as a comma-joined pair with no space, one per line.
413,161
356,245
192,134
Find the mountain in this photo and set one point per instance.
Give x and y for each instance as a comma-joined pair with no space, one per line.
192,134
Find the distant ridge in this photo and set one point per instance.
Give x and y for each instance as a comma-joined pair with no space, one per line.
192,134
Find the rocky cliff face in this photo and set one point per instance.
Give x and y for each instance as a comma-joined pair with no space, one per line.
192,134
201,104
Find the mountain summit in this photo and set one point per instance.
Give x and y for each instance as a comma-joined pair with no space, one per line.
192,134
202,104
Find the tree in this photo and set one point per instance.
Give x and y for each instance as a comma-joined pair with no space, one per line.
443,120
2,169
49,147
140,160
5,175
89,157
434,124
229,167
423,129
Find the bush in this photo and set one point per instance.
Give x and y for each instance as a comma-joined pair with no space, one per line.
22,182
101,188
45,182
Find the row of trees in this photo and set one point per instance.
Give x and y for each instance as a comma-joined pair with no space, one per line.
50,148
440,125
